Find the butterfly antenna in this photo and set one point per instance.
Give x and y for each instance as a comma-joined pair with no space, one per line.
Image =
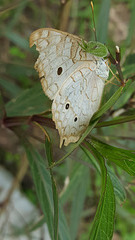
93,18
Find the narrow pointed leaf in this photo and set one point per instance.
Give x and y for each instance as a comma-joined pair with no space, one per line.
54,189
43,186
117,120
102,26
123,158
131,31
103,224
42,182
78,202
111,101
117,185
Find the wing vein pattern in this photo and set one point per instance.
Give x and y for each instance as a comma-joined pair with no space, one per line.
72,78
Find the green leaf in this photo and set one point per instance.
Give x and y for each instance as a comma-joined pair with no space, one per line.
90,158
111,101
104,219
21,73
103,19
123,158
117,185
131,31
17,39
74,182
78,202
12,89
29,102
43,186
117,120
76,191
54,189
103,224
125,97
95,48
108,104
129,68
42,182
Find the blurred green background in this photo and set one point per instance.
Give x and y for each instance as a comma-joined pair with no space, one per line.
115,21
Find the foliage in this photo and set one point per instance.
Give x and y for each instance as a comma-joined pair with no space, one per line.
95,48
78,198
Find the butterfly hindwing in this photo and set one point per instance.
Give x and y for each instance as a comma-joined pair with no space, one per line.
76,102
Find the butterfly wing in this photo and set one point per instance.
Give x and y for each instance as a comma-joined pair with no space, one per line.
72,78
77,100
59,56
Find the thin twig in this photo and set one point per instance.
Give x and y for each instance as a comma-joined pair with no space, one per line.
116,62
17,121
64,14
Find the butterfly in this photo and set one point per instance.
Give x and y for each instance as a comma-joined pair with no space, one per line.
73,78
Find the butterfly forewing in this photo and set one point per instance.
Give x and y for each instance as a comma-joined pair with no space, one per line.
59,56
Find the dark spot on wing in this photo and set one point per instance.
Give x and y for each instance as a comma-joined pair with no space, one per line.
67,106
59,71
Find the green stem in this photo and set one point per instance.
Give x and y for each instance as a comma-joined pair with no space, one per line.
116,121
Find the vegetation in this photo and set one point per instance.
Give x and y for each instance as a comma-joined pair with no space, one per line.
85,190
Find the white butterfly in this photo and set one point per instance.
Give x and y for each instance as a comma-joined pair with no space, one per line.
71,77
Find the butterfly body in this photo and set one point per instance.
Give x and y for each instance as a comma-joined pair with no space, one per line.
72,78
